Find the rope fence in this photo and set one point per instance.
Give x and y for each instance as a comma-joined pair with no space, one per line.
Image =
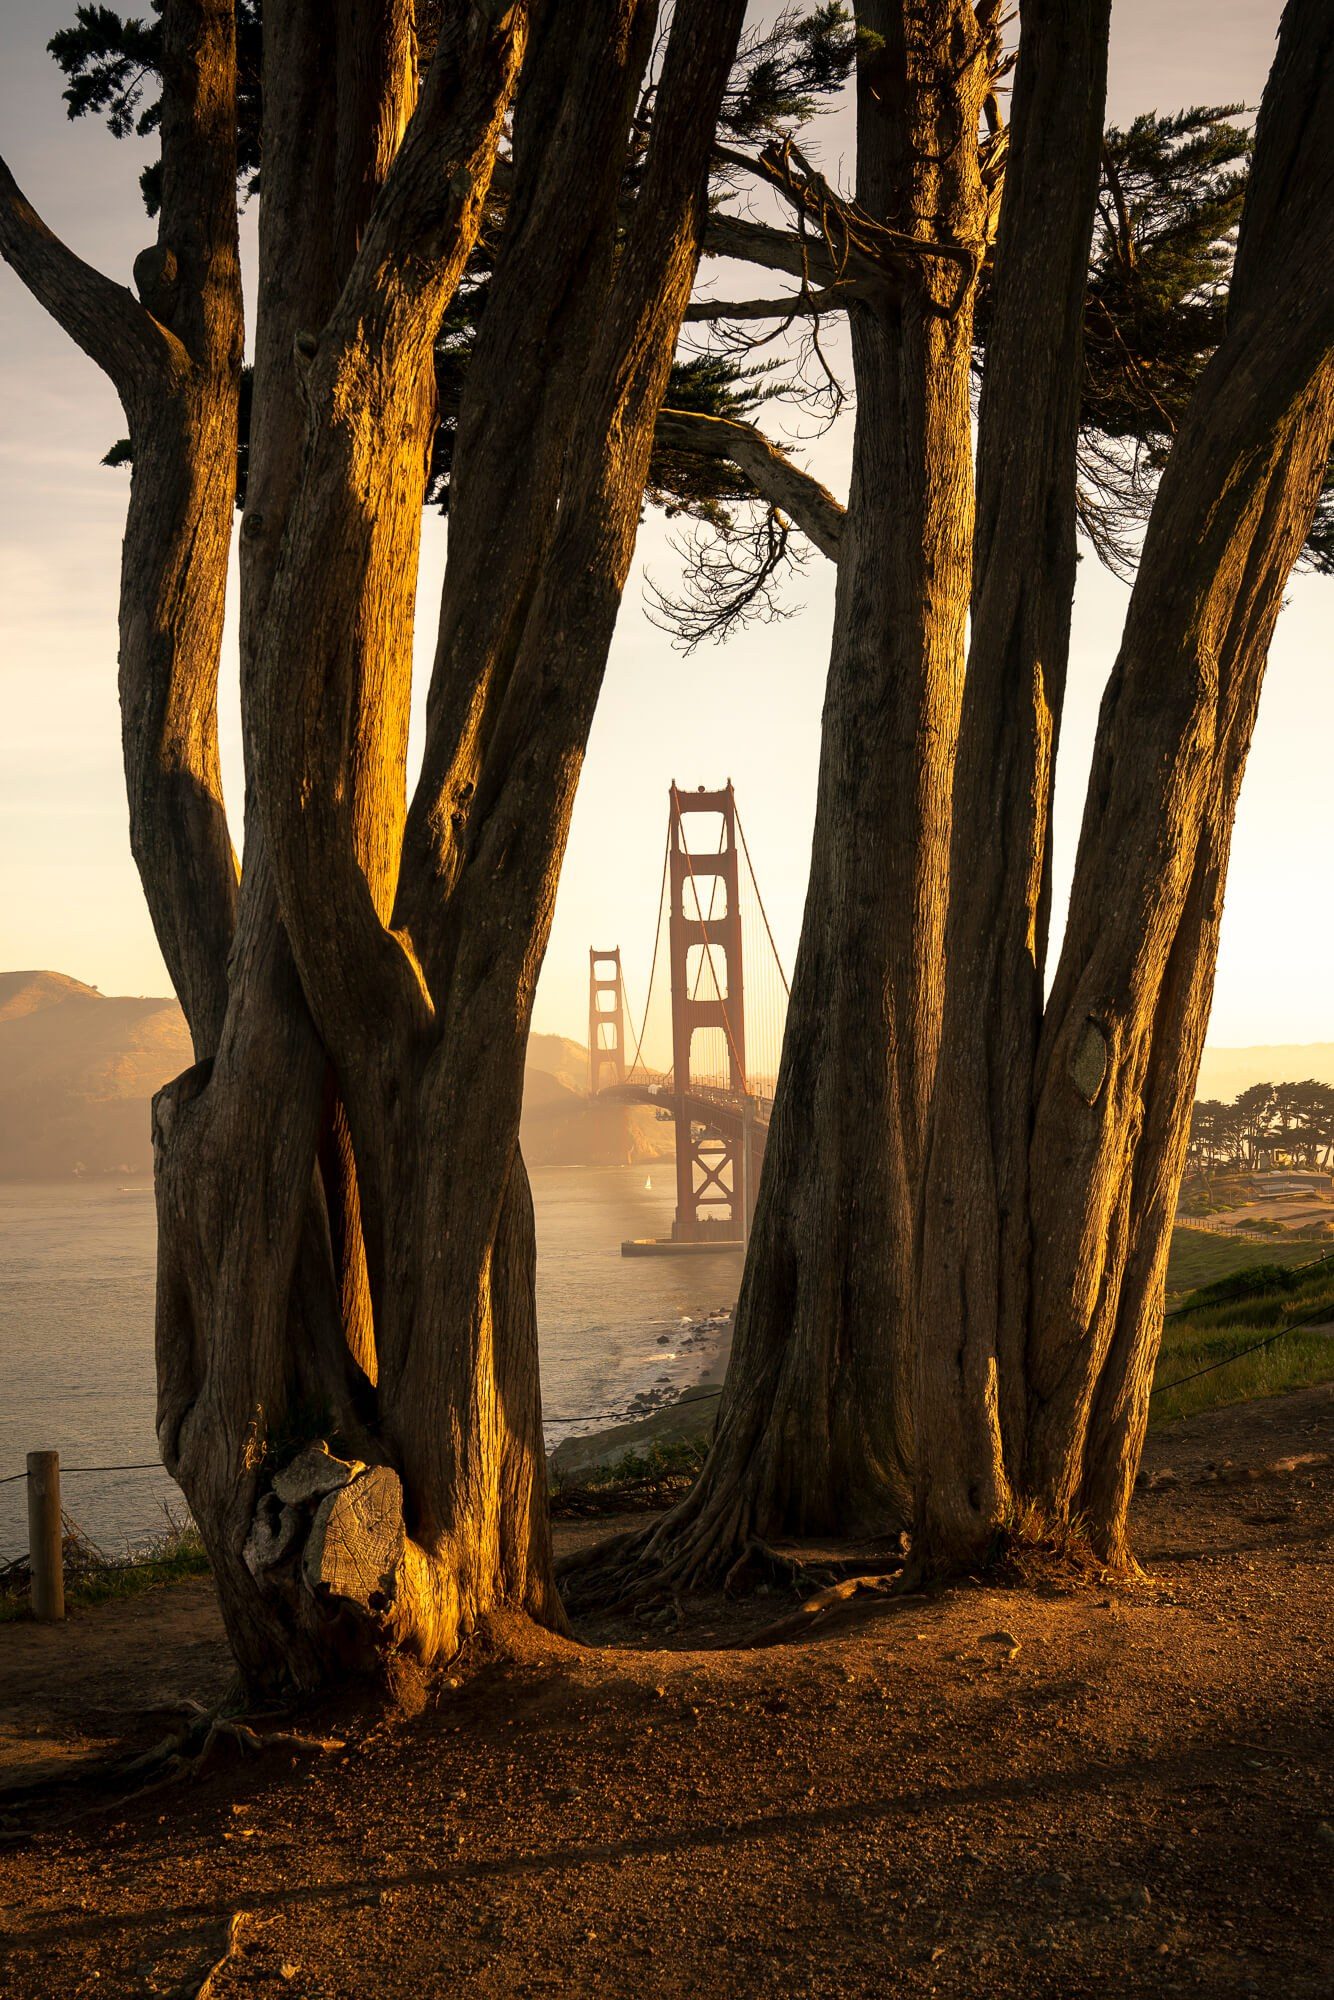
618,1416
1313,1319
67,1471
57,1525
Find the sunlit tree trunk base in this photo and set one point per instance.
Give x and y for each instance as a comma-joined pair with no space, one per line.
810,1437
337,1543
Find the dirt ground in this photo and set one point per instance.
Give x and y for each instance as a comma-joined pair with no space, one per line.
1040,1791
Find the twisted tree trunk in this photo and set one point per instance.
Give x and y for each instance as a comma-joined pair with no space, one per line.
814,1432
348,1384
973,1248
1042,1384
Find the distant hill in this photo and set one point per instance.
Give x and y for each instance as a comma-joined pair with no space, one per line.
556,1055
78,1070
1225,1072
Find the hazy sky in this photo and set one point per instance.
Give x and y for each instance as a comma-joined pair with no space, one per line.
69,896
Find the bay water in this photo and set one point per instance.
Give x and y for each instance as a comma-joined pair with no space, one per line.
76,1329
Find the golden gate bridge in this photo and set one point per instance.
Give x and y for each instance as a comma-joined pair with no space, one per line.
707,1047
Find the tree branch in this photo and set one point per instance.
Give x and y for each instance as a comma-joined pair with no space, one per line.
803,305
776,249
101,317
856,242
333,669
784,484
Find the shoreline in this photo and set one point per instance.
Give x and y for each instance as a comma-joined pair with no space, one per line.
663,1412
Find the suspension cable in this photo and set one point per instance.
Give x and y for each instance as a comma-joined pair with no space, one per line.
754,883
657,942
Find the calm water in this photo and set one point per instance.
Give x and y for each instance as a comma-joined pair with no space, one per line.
76,1326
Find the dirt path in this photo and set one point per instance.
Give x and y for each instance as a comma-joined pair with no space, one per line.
1129,1794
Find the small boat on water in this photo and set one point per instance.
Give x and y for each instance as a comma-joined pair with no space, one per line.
648,1183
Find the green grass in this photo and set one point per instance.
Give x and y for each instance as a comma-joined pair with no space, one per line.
644,1478
93,1577
1214,1328
1197,1258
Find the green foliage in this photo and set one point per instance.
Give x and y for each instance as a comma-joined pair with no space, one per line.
1234,1375
1198,1259
114,64
93,1577
659,1457
1294,1120
784,72
1169,204
653,1477
1171,196
1220,1326
1170,201
1255,1281
1276,1297
711,385
110,60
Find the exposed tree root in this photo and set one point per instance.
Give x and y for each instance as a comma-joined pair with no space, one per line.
231,1945
832,1606
193,1750
679,1556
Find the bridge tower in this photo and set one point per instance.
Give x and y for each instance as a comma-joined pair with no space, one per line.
606,1020
714,1163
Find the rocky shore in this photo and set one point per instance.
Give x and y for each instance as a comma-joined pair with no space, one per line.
678,1404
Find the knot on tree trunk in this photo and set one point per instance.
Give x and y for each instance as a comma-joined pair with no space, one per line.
157,281
328,1541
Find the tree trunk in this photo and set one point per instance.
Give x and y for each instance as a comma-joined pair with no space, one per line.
426,1026
1122,1033
973,1252
292,1273
814,1430
348,1385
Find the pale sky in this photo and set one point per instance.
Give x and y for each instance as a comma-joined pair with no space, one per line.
69,895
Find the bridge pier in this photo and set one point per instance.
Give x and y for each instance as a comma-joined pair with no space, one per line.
720,1125
709,1173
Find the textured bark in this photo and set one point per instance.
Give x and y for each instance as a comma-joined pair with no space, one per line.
783,483
806,257
426,1023
1123,1029
175,361
814,1429
973,1252
348,1383
813,1432
520,407
277,1320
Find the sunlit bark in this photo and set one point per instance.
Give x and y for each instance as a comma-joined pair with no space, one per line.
348,1384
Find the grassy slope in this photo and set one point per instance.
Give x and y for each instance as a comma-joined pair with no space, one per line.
1192,1342
1205,1336
1198,1258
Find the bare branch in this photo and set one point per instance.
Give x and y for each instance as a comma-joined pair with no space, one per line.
806,305
856,241
811,506
732,569
101,317
776,249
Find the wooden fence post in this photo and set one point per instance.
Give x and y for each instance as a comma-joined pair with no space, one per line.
45,1551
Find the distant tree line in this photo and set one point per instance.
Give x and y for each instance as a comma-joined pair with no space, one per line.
1295,1120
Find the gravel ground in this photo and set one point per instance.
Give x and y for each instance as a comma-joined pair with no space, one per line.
1049,1790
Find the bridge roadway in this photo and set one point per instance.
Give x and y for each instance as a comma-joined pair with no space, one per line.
706,1104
